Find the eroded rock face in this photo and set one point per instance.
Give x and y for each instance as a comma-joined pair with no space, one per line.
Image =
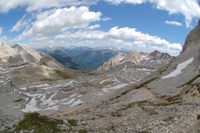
24,54
34,53
193,39
192,45
6,51
113,62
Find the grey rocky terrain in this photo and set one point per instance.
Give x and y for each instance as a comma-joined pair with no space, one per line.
153,60
133,93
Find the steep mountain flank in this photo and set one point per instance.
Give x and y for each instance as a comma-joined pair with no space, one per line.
34,53
49,61
192,39
184,70
24,54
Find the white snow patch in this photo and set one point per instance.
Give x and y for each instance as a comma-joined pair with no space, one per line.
31,106
144,69
70,101
79,96
179,69
73,95
37,86
104,81
23,88
49,101
69,83
121,59
125,67
50,87
114,87
18,67
76,103
33,95
56,107
65,99
4,72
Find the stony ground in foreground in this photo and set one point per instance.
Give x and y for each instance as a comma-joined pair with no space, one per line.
152,114
179,114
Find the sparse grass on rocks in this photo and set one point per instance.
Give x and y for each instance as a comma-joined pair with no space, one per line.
63,74
191,80
72,122
39,124
82,131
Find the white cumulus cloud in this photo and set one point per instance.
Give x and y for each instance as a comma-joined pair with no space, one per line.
173,23
94,26
123,37
51,22
31,5
189,8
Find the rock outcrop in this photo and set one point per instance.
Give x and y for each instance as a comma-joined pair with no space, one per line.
33,52
193,39
24,54
154,59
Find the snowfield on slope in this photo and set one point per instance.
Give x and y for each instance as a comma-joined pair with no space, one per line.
179,69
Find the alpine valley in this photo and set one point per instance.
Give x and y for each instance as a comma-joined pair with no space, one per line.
133,92
81,58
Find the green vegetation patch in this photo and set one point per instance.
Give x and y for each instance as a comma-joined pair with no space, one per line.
72,122
198,117
144,132
48,79
82,131
63,74
38,123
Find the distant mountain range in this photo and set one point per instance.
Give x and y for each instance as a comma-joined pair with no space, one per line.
82,58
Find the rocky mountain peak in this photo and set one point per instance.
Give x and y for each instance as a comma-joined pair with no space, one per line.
193,39
6,51
16,55
154,60
24,54
16,46
134,54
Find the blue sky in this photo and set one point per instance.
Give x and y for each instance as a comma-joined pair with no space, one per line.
144,25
